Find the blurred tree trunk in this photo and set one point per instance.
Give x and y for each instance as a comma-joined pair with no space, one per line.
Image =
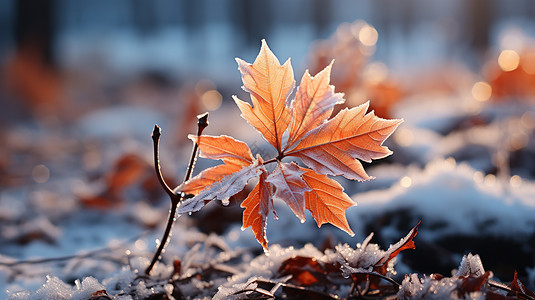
479,22
253,18
35,28
31,73
321,16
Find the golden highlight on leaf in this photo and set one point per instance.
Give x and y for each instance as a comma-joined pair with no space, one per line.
269,84
223,147
222,190
334,147
327,201
235,155
313,104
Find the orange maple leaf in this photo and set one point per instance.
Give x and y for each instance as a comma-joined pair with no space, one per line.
269,84
290,187
326,200
257,207
235,155
327,146
333,147
313,104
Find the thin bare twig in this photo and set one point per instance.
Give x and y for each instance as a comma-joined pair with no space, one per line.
176,196
156,133
392,281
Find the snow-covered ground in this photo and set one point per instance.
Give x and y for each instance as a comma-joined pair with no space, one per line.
52,239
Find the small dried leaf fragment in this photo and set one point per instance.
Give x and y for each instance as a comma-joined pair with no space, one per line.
334,147
305,271
269,84
405,243
518,288
473,283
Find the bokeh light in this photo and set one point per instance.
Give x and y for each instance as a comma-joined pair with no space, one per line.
479,176
211,100
404,137
490,180
368,35
508,60
528,62
375,72
481,91
40,174
515,181
406,182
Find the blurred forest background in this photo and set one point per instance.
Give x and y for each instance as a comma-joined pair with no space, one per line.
48,47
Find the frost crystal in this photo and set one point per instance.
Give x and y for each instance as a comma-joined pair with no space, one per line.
471,265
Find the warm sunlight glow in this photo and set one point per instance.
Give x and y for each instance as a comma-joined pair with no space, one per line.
368,35
211,100
508,60
404,137
478,176
528,62
450,163
481,91
141,244
406,182
518,140
490,180
528,120
375,72
515,181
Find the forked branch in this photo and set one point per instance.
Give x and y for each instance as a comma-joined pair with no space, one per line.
176,197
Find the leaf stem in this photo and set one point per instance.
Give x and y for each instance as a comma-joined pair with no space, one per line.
392,281
176,197
275,159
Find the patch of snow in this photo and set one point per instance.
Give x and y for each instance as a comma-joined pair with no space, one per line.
54,288
473,205
431,287
433,112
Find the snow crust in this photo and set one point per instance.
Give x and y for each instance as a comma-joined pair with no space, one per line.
430,287
54,288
